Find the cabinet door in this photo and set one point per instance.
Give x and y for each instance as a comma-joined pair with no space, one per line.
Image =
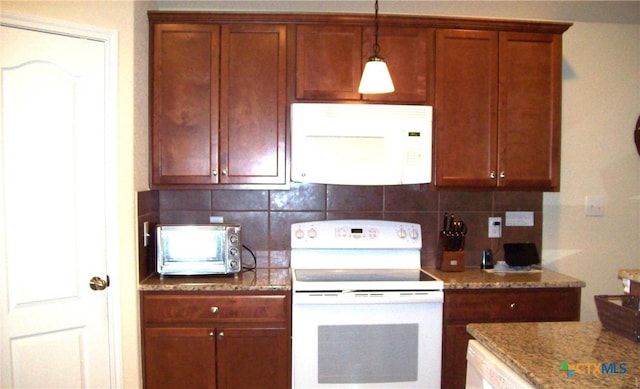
454,354
253,104
466,108
529,118
251,358
184,106
179,358
408,53
328,62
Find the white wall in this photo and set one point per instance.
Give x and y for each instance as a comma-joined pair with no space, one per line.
601,101
600,107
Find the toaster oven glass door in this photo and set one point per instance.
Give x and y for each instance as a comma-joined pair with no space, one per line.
191,250
192,245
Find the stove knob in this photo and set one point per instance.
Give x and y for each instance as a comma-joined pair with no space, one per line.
299,233
312,233
402,233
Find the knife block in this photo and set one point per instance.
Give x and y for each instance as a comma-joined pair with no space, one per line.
450,252
451,261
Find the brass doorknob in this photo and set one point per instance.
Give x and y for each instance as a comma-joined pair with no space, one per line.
97,283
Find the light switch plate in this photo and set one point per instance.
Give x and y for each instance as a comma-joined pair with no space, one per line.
594,206
518,219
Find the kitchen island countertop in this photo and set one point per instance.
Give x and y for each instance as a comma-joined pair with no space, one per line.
631,274
481,279
538,352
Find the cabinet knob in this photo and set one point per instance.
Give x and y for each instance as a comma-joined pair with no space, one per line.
492,175
214,310
502,175
220,335
214,172
224,172
512,305
212,335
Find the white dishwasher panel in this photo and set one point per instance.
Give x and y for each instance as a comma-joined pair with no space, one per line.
486,371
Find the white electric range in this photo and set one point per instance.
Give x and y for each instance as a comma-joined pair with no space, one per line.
364,314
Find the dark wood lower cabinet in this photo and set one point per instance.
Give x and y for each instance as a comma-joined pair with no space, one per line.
253,358
179,358
216,341
464,306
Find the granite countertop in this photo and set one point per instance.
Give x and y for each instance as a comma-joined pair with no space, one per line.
266,279
630,274
537,351
273,273
482,279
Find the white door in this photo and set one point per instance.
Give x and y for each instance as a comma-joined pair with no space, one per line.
54,217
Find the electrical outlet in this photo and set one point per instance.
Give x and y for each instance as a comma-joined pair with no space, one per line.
495,227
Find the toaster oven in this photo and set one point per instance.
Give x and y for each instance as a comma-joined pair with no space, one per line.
198,249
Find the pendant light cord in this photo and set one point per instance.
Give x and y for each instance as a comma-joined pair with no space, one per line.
376,46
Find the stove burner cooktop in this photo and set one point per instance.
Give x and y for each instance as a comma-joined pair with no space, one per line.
364,279
350,275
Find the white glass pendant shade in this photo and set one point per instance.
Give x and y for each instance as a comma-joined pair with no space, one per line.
376,77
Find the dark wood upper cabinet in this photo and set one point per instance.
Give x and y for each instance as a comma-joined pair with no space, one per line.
185,63
465,112
330,60
253,104
497,110
409,54
529,110
219,104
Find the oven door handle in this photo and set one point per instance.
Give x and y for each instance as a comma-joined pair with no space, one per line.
369,297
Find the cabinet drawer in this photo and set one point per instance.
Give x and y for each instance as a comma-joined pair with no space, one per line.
535,304
173,308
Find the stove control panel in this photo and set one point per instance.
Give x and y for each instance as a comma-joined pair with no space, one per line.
356,234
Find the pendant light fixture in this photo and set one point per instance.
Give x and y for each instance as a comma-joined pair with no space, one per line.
375,77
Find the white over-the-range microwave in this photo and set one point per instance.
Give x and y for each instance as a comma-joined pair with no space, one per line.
361,144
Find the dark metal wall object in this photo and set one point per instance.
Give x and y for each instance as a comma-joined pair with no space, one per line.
636,135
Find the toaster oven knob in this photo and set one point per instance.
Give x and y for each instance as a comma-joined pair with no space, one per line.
233,251
299,233
312,233
233,264
414,234
402,233
233,239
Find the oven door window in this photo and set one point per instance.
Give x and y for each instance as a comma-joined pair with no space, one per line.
349,354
